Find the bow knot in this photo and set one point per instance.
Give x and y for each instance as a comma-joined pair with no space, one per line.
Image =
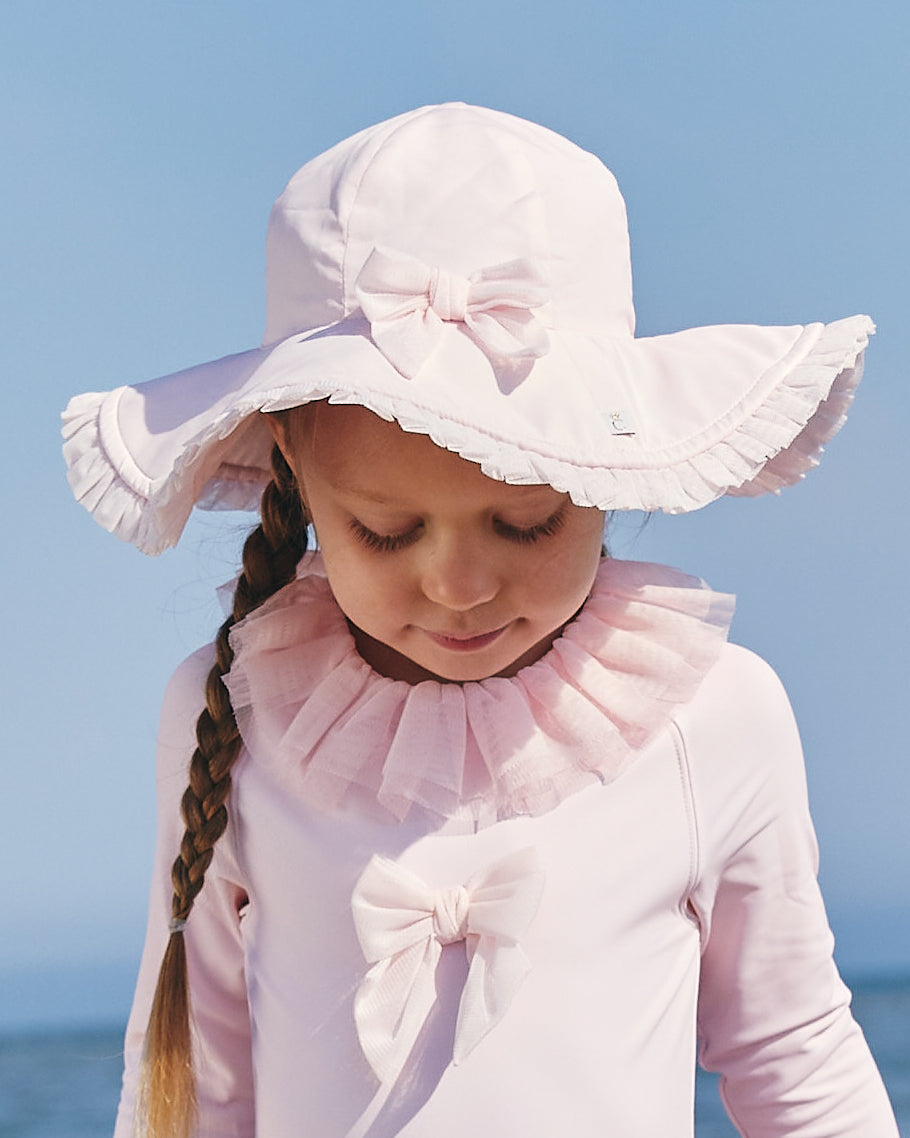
408,303
448,295
450,915
402,924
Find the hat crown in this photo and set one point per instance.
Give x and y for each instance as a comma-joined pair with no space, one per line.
460,189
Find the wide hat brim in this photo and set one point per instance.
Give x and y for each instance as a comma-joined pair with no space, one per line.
664,423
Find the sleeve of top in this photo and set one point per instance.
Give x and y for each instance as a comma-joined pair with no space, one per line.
774,1016
220,1015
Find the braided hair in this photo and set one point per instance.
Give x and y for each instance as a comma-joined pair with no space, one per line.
167,1093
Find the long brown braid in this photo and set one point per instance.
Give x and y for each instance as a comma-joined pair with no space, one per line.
167,1095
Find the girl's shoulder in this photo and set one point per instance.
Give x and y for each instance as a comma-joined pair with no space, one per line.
184,699
745,682
185,690
741,705
739,740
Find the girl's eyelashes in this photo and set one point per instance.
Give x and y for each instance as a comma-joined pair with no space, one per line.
523,535
384,542
526,535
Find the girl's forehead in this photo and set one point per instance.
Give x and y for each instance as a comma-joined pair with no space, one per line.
357,452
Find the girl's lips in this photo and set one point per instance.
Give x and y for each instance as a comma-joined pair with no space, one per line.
466,643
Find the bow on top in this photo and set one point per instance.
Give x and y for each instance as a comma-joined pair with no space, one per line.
402,924
407,303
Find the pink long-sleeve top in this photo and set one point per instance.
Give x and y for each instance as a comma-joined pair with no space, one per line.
517,907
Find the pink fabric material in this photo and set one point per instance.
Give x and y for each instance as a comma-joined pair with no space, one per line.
679,903
313,709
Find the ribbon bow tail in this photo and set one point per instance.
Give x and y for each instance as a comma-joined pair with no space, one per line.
504,900
392,1004
393,917
407,340
496,973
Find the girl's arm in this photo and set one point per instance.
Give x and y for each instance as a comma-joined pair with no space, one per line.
213,943
774,1016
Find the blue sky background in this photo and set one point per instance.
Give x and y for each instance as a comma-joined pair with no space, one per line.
763,152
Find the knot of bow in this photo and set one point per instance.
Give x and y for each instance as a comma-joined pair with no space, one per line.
402,924
407,303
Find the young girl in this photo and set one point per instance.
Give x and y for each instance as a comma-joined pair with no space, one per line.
484,832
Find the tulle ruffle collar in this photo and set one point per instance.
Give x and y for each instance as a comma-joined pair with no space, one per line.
308,706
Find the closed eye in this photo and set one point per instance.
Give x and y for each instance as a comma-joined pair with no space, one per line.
384,542
527,535
522,535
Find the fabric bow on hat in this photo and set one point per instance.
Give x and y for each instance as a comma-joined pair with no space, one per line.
402,924
407,302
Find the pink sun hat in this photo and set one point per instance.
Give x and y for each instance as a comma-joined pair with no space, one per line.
466,273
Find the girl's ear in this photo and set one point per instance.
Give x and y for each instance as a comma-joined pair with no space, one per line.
278,425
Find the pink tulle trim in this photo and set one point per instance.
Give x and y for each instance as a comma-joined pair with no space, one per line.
309,706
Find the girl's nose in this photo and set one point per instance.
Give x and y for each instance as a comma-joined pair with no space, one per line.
459,576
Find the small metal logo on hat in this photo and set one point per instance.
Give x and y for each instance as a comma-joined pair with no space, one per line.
619,424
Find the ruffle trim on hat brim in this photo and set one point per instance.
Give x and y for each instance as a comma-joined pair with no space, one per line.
97,479
802,411
310,708
151,514
838,353
762,447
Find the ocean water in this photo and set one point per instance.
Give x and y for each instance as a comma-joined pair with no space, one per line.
65,1084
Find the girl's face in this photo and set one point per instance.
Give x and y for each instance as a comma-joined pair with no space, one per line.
442,572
